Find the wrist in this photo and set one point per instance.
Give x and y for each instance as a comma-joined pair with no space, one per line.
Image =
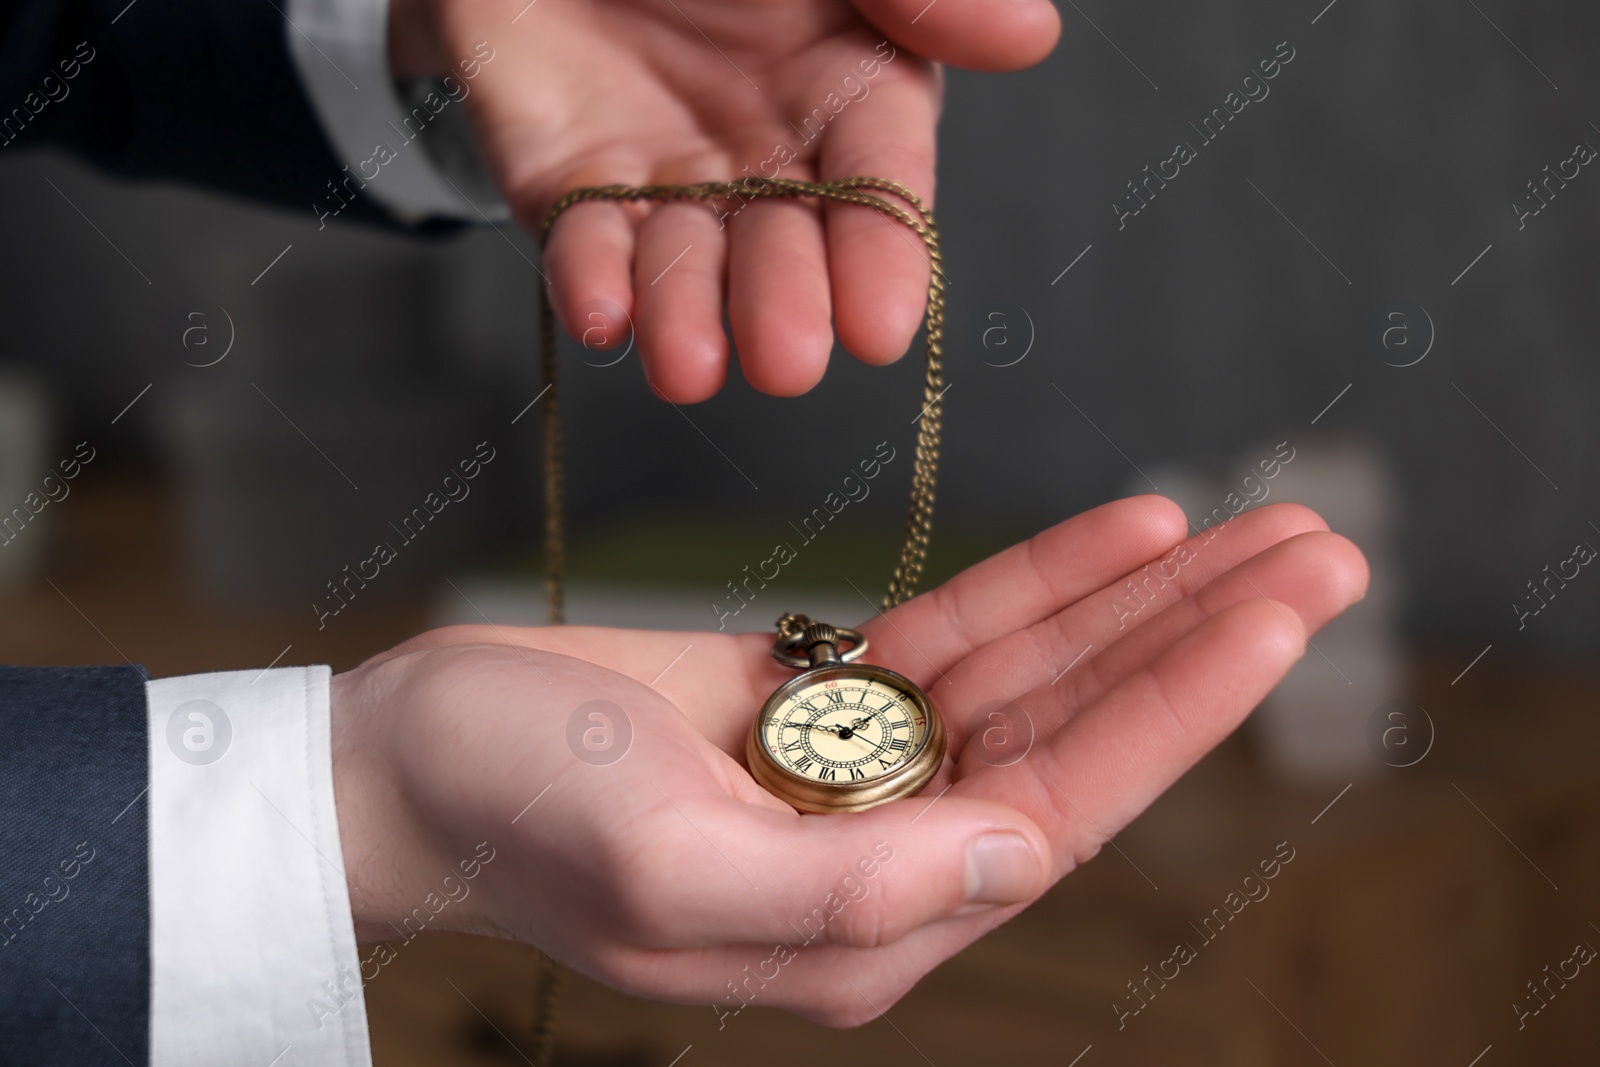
351,792
407,867
378,831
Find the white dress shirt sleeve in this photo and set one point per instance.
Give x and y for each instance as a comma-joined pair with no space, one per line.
416,162
252,946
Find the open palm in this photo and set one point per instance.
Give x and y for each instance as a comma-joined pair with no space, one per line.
664,870
594,92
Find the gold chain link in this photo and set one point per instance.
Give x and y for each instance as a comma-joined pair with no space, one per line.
919,522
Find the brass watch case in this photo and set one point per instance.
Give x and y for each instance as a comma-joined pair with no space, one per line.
807,795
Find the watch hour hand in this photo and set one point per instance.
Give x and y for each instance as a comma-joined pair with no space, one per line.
847,733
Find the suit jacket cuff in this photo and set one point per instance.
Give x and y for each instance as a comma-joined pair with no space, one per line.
74,934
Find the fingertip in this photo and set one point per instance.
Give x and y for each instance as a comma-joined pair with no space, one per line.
1001,856
877,334
680,279
1149,516
1338,562
982,35
784,359
1275,629
1162,513
588,260
779,304
598,324
1003,867
683,371
1356,566
1036,32
1294,516
1015,35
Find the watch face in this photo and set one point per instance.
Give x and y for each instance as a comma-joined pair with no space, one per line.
849,725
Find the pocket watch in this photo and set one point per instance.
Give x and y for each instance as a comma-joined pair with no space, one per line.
842,735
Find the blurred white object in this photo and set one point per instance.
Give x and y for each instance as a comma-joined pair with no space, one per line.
25,428
1313,726
1194,492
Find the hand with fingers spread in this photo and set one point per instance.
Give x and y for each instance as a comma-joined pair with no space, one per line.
668,872
680,91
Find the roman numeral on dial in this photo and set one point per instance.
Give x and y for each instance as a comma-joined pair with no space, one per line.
827,774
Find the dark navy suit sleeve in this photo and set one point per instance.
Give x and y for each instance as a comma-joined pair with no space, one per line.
202,91
74,868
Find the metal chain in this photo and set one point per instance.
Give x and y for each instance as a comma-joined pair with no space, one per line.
924,473
544,1012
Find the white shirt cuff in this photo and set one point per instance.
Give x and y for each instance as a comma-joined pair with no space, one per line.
340,48
252,947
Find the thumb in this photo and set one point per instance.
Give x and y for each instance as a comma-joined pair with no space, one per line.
863,879
993,35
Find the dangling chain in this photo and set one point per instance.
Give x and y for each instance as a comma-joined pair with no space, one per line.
919,522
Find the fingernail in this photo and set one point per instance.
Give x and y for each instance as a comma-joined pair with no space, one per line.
1001,869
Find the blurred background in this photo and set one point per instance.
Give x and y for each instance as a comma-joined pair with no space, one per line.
1341,275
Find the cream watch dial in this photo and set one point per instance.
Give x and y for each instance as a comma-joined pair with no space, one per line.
845,730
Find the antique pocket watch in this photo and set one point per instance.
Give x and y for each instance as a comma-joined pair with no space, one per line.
843,735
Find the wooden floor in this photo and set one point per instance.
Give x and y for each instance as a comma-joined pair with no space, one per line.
1415,911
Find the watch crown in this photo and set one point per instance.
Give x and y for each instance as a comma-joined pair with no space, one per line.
820,633
803,643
